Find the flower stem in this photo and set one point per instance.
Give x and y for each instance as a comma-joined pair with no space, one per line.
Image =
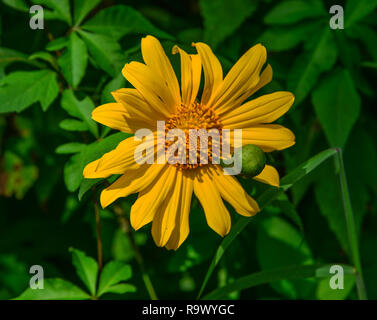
98,232
351,227
126,228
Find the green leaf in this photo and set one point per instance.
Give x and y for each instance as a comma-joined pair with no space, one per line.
268,196
57,44
17,177
320,57
279,244
113,273
81,109
121,288
289,210
86,268
74,60
325,292
118,21
75,165
292,11
82,8
61,9
222,17
71,147
55,289
20,5
23,88
105,51
356,10
280,39
115,84
86,185
9,56
337,105
45,56
73,125
268,276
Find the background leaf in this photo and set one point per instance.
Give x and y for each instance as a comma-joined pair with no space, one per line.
55,289
222,18
74,60
338,94
118,21
21,89
113,273
86,268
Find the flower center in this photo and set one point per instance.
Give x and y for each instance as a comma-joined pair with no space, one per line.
191,119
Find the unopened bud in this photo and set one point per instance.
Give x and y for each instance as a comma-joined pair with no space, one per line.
252,158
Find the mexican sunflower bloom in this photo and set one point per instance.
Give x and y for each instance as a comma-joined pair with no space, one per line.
165,190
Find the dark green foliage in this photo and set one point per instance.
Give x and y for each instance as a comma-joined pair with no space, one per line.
52,79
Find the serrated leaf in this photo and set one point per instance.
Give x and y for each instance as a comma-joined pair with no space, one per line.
307,68
23,88
120,20
292,11
105,51
337,105
86,268
222,18
82,8
55,289
74,60
113,273
81,109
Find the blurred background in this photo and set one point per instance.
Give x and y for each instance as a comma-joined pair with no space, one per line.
51,79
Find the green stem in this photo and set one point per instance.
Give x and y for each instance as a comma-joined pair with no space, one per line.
351,227
126,228
98,232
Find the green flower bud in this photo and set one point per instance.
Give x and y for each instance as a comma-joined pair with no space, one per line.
252,158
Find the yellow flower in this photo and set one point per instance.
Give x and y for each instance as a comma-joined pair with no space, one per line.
165,190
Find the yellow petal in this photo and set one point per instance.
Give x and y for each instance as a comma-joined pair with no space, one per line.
137,106
151,86
243,76
216,213
213,72
268,137
165,217
264,79
191,69
233,193
117,161
264,109
151,198
181,229
154,56
115,116
269,175
132,181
